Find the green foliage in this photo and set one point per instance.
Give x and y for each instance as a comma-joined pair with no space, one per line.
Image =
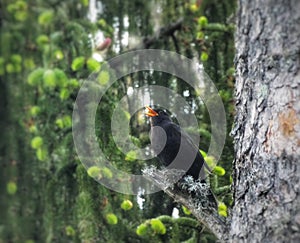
166,227
59,122
42,40
61,78
10,68
126,205
18,10
49,79
94,171
222,209
111,218
35,110
85,3
11,188
131,156
33,129
36,142
103,77
200,35
204,56
64,94
93,65
46,17
64,122
36,77
193,8
46,55
158,227
218,170
29,63
67,121
210,161
106,172
78,63
16,59
202,21
142,229
41,154
98,173
203,153
70,231
59,55
186,210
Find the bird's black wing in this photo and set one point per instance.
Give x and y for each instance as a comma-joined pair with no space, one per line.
177,158
197,169
190,152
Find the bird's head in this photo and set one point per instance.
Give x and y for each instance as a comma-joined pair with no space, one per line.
157,115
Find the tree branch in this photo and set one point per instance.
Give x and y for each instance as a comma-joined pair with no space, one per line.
162,32
208,216
219,27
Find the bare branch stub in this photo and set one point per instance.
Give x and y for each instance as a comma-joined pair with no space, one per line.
206,215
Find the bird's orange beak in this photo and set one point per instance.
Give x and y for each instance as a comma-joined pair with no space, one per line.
150,112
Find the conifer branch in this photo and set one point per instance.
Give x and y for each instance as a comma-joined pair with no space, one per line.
168,30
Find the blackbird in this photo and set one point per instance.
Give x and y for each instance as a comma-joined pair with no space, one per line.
167,148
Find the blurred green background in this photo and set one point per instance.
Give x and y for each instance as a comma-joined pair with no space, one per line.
48,48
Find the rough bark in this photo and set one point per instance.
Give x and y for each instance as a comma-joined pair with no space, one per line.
267,125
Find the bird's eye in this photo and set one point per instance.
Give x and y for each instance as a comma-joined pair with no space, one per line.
160,112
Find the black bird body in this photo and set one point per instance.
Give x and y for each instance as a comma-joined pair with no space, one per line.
171,144
174,138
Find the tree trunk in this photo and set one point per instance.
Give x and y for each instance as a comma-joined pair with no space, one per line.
267,123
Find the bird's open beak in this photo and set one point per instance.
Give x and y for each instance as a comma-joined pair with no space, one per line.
150,112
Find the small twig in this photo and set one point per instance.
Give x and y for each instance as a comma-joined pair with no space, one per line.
175,43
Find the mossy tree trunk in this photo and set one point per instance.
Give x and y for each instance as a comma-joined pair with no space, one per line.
267,127
267,123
